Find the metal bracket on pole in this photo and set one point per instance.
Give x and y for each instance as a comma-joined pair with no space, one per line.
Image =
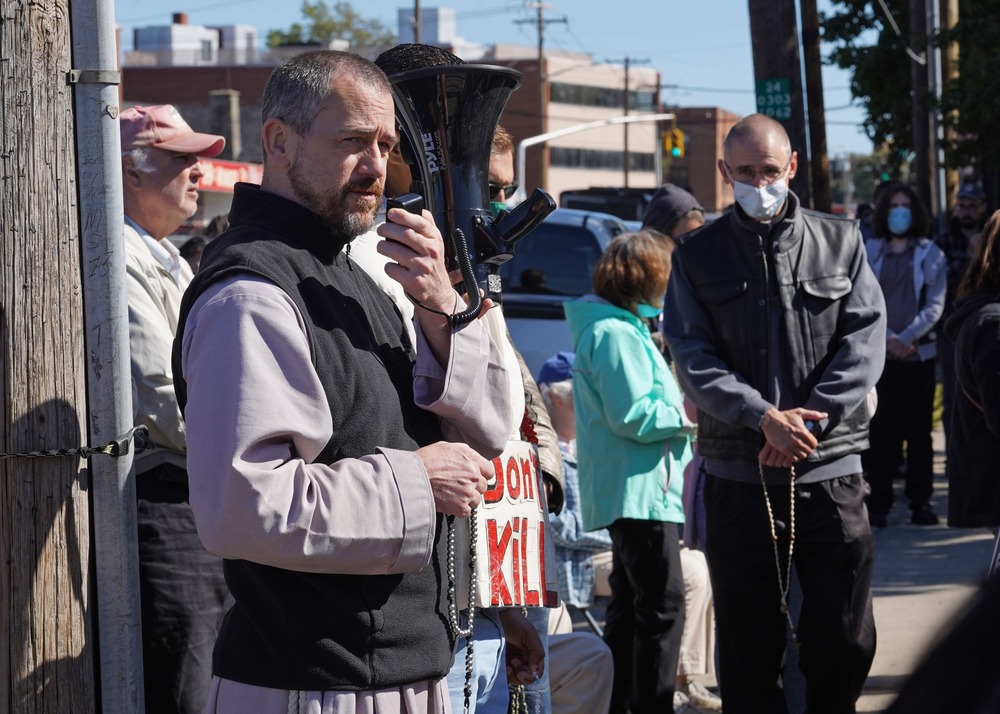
94,76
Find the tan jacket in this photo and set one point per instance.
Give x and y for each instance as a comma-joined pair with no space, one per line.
154,299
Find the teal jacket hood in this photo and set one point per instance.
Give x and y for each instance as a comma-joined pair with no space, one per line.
633,439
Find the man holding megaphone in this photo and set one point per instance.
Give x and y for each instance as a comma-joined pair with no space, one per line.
317,468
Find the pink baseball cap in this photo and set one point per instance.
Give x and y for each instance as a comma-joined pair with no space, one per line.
162,127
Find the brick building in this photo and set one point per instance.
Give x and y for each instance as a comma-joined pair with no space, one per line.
225,98
705,130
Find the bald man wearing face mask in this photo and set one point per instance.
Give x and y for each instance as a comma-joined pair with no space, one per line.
777,328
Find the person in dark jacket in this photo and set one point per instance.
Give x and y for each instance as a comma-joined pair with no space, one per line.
673,212
317,460
958,243
974,445
777,328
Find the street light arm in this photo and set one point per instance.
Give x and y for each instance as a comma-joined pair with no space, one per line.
523,145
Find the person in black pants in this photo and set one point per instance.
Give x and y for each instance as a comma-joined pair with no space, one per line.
776,326
182,591
633,442
912,271
958,244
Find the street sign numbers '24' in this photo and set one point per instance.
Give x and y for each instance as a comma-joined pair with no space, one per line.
774,98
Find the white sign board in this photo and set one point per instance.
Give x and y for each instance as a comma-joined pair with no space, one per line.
515,557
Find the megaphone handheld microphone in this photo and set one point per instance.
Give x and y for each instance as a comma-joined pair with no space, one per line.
448,112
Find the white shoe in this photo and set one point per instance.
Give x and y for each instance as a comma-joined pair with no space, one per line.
680,701
700,697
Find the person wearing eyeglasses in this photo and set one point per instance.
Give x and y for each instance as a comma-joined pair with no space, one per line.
502,185
776,324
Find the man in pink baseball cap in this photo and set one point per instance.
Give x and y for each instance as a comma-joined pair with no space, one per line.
182,589
162,127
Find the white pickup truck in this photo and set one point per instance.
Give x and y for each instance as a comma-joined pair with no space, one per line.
551,265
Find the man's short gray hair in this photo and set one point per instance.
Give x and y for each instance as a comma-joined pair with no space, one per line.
140,160
299,87
562,390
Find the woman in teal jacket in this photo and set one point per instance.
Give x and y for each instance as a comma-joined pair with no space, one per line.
633,442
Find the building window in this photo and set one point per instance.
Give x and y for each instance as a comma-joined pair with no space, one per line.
585,96
206,50
598,160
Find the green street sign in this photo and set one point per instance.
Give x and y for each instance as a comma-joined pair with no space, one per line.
774,98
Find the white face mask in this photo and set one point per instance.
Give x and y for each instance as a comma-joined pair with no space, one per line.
762,203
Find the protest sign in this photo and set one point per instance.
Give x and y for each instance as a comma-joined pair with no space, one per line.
515,557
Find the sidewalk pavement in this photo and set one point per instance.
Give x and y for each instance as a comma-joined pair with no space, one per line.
922,580
924,576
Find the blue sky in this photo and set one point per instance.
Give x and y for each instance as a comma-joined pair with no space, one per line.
702,47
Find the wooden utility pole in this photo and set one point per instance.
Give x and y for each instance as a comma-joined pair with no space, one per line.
949,73
774,32
819,160
920,107
47,664
540,23
627,62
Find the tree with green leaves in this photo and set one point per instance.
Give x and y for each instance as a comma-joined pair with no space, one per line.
865,42
972,101
324,23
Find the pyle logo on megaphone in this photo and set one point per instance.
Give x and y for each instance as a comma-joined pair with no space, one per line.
431,142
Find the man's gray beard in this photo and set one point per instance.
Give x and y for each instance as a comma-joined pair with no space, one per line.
353,225
332,208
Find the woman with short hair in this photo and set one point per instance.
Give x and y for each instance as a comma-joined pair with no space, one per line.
633,442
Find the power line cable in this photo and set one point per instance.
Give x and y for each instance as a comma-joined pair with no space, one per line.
199,8
895,28
706,89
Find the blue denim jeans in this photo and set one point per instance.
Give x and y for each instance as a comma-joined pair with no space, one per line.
489,670
537,696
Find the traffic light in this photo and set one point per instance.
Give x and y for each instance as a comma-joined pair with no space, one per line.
676,140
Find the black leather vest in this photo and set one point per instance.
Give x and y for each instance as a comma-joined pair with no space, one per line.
729,272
